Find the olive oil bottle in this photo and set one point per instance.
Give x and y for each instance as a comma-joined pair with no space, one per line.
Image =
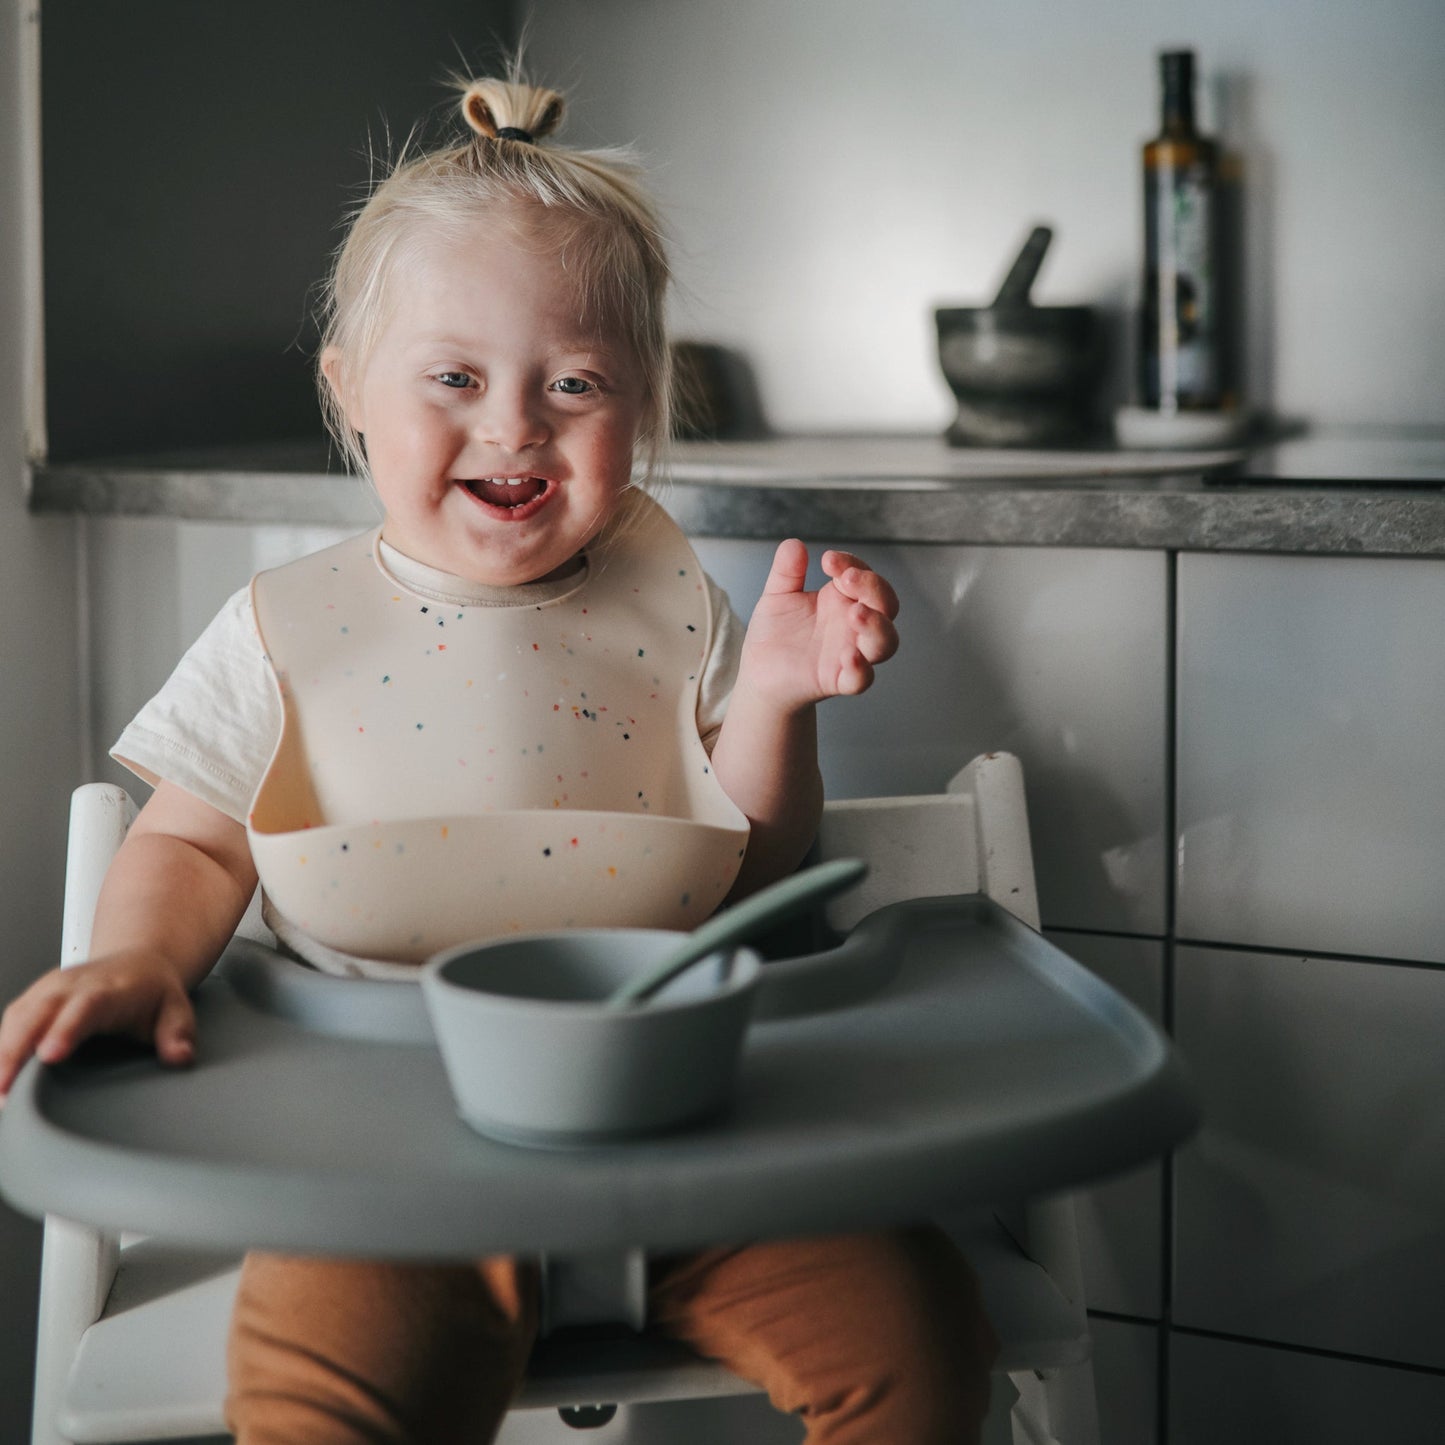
1180,350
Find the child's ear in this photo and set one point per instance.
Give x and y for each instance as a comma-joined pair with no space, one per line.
339,379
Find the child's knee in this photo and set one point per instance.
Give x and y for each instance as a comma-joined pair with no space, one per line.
868,1337
339,1351
927,1349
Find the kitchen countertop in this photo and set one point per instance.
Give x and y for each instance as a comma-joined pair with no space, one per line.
1357,493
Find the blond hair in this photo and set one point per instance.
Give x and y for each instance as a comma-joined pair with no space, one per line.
590,205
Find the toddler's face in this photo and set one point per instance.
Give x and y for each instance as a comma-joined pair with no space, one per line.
499,424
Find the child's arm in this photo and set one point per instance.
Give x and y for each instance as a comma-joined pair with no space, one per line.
171,900
800,648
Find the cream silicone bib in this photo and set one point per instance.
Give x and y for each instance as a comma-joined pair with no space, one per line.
450,772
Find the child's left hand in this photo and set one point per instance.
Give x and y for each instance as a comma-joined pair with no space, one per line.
802,647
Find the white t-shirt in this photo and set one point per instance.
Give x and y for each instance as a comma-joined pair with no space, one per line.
213,726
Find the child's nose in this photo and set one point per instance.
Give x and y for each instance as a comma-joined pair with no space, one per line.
510,417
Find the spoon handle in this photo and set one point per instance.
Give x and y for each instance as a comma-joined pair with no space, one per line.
730,927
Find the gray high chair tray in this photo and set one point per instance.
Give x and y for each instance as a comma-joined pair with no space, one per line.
944,1056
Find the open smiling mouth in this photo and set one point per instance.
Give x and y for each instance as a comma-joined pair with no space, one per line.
517,496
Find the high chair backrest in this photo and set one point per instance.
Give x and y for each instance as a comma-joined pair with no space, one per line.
78,1264
100,817
973,838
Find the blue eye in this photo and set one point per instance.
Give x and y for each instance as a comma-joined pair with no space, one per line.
573,386
458,380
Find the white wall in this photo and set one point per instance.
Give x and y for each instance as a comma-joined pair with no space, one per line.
836,168
38,710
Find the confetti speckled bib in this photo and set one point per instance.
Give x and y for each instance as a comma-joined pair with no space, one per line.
449,772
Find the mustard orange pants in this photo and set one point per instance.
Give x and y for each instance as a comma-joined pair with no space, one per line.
870,1339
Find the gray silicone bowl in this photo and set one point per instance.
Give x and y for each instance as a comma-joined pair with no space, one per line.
534,1055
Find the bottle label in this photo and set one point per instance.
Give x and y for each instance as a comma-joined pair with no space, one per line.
1180,240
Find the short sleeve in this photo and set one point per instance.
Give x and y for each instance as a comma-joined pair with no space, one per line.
720,671
214,725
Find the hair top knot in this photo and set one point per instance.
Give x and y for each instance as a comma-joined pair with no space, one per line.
508,110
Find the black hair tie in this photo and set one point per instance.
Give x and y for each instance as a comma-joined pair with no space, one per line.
515,132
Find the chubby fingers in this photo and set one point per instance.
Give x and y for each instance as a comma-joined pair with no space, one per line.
57,1014
28,1023
161,1016
20,1030
790,567
874,606
175,1029
854,578
874,639
877,637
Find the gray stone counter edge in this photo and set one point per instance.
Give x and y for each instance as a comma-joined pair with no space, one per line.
1182,514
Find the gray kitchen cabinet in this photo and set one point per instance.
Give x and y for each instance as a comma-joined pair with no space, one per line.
1311,790
1059,655
1223,1392
1121,1219
1310,1208
1126,1379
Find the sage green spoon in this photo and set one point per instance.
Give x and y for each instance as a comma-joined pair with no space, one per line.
734,925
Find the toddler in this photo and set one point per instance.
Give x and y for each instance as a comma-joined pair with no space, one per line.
518,703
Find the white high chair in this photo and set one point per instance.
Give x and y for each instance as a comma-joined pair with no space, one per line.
132,1332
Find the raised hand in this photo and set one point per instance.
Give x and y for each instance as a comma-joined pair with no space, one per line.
801,646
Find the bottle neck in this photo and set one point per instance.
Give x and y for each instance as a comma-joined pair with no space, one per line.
1177,73
1178,111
